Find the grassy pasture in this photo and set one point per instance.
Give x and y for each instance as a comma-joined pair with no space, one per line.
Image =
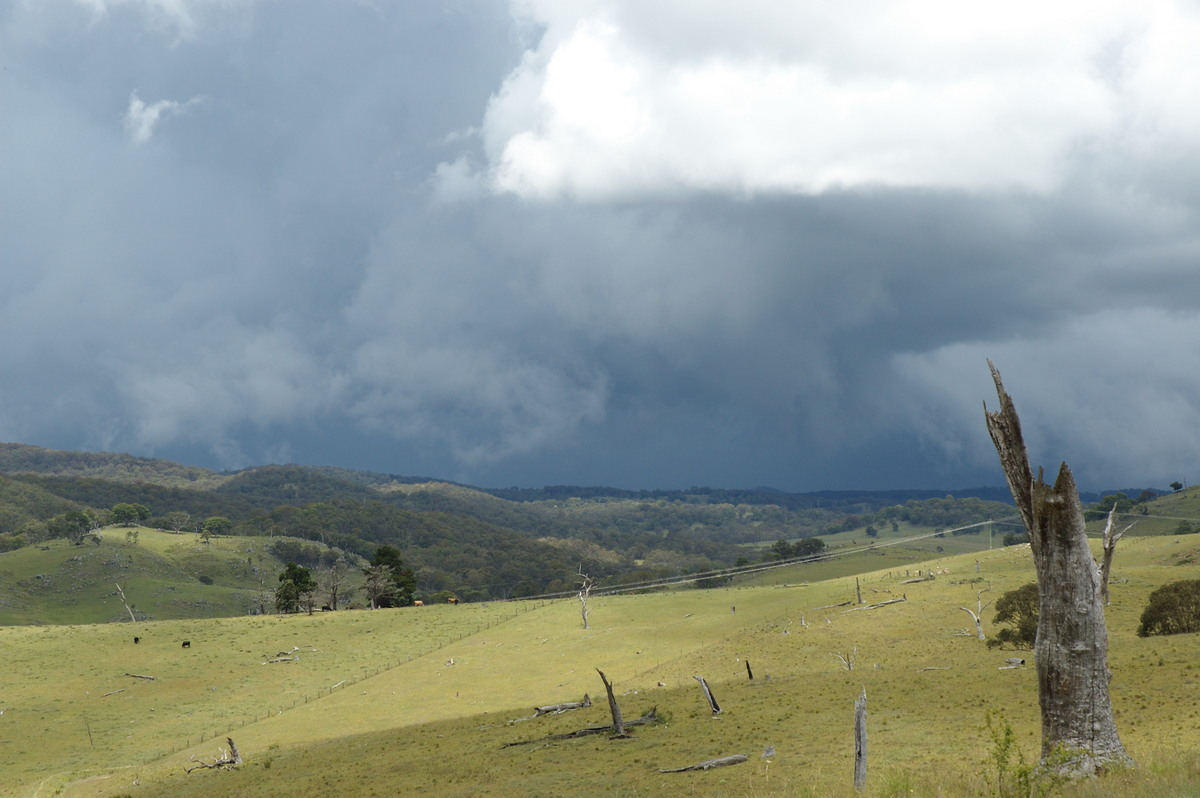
60,583
426,696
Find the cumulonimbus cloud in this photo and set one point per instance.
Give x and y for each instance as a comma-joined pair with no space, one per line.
618,100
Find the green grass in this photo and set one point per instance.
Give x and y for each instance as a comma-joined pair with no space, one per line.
424,698
59,583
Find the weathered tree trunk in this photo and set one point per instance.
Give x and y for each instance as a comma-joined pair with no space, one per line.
860,742
1111,536
1072,639
712,701
121,593
618,721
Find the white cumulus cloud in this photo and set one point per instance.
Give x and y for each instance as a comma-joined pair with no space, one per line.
142,119
622,99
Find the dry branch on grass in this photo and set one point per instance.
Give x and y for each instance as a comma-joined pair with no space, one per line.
735,759
228,759
140,676
557,709
644,720
846,661
875,606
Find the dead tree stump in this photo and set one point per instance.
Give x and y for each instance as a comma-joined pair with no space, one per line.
1072,639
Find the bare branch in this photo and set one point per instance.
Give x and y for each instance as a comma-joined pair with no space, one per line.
735,759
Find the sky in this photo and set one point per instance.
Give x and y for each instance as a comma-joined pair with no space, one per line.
605,242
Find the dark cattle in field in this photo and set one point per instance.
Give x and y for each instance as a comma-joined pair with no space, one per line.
136,640
187,643
326,608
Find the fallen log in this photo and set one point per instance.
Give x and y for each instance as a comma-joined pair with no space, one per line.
875,606
557,709
735,759
140,676
228,759
644,720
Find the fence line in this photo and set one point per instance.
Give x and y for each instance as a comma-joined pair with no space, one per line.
520,608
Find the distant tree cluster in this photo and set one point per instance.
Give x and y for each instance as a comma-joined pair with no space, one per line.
296,589
1121,503
806,548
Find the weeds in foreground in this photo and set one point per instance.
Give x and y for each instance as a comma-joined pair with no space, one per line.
1008,774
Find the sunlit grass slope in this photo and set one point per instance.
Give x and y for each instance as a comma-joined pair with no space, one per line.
423,698
60,583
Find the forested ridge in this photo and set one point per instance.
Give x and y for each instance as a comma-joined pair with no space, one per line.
478,543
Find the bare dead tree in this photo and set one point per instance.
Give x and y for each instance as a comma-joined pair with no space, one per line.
977,613
846,661
121,593
227,759
336,579
1072,638
586,583
1111,536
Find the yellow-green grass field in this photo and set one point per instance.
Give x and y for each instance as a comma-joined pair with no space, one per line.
420,701
60,583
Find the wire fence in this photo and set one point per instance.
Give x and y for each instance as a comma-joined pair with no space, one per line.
368,672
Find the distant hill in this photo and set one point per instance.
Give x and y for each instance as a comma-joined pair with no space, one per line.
479,543
19,458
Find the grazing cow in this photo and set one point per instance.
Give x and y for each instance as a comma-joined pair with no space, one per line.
136,640
187,643
418,603
452,600
326,608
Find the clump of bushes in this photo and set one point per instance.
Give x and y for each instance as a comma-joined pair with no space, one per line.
1018,609
205,579
1172,609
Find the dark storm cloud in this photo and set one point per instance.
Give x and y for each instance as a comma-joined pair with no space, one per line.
436,239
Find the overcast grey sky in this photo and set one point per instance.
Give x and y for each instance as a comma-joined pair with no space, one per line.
641,244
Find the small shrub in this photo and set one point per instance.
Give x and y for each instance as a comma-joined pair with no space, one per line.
1007,773
1019,610
1172,609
